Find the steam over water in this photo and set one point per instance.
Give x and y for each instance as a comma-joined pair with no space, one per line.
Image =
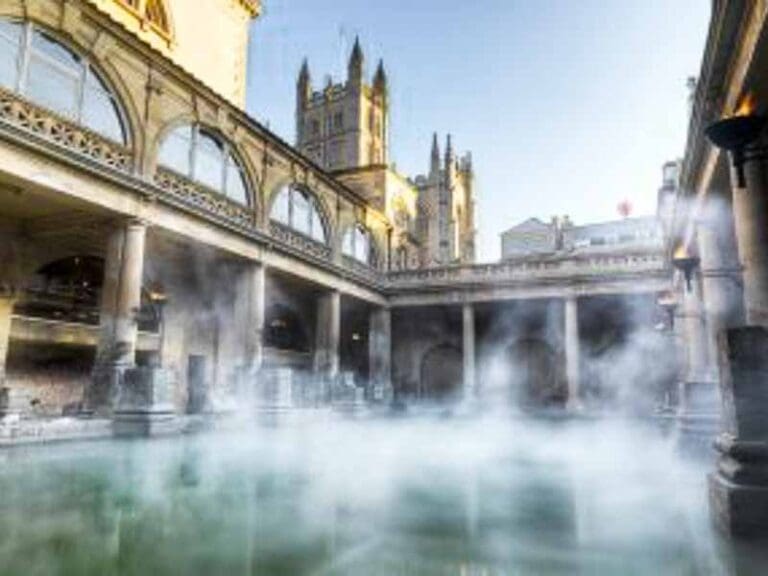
327,495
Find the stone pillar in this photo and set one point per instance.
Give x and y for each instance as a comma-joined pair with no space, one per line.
380,353
251,313
750,209
6,308
720,274
572,353
738,490
327,335
697,397
468,349
120,303
249,323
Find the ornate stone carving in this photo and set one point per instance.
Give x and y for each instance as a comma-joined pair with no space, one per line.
198,196
22,114
297,240
361,268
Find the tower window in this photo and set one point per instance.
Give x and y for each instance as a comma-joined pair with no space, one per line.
338,121
152,12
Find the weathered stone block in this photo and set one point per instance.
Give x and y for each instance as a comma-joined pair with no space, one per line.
744,382
144,406
738,491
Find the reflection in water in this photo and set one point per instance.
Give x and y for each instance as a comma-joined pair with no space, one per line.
421,496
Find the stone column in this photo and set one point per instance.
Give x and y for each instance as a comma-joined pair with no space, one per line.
249,314
253,313
738,490
327,335
750,209
120,303
468,349
380,353
572,353
720,274
6,308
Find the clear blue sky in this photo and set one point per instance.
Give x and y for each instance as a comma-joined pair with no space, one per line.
568,106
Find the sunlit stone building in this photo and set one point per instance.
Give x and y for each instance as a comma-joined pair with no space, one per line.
162,253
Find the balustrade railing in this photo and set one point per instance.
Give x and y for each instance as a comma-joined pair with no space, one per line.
22,114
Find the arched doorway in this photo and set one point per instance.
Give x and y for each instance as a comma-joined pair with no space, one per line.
285,330
533,373
441,373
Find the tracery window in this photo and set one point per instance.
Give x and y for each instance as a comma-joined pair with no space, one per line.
357,244
153,12
201,156
35,65
299,210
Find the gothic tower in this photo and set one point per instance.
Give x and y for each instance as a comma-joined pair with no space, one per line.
344,126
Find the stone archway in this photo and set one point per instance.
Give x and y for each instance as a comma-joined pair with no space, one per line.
533,373
441,373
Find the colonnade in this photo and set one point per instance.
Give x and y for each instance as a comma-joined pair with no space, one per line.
121,302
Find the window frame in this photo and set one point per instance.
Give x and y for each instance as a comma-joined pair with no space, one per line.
314,210
230,158
85,72
351,236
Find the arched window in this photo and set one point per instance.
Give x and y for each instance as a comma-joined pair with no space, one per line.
203,157
357,244
298,210
153,12
48,73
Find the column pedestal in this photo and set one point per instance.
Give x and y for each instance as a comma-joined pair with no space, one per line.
738,490
144,405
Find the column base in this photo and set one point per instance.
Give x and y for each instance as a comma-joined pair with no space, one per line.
143,406
14,404
737,509
698,409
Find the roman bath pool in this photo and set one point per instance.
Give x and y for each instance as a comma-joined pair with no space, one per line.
324,494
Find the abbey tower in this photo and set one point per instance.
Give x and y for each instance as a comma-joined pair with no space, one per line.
344,128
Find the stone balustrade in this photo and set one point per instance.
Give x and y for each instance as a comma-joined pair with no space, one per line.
21,114
551,268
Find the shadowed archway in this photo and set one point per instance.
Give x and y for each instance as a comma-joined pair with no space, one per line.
441,373
533,373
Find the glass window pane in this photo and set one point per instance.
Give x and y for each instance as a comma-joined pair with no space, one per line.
280,207
48,47
10,40
348,246
100,113
209,162
361,245
53,86
174,153
318,231
236,189
301,210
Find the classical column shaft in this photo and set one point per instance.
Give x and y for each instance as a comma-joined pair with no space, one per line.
572,352
121,295
6,308
250,314
328,334
380,352
750,208
721,278
468,349
696,337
